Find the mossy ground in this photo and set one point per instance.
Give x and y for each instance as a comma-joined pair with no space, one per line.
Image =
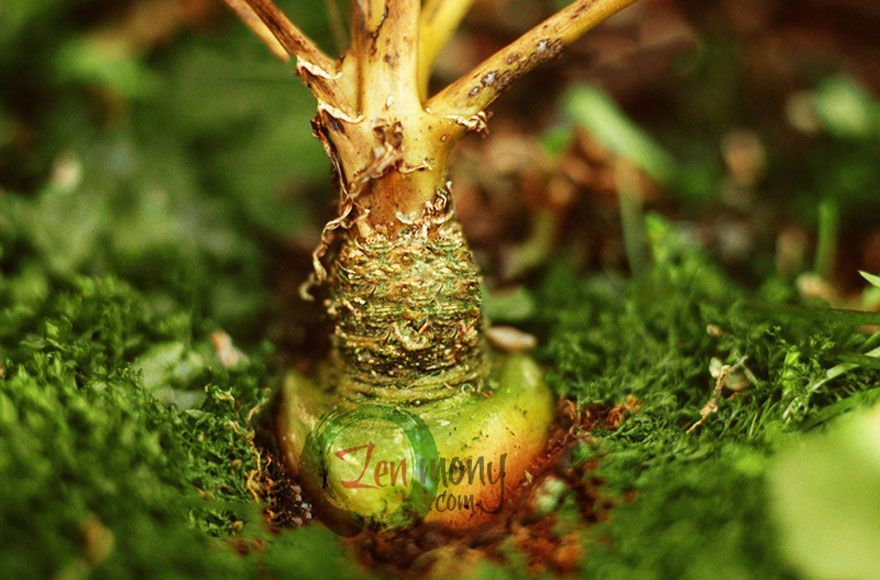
690,505
128,448
142,210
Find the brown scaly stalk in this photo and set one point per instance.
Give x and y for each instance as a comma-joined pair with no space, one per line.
403,289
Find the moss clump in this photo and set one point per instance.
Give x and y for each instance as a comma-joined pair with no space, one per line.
86,447
693,504
98,473
126,447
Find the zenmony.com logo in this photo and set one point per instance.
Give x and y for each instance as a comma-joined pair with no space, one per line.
425,480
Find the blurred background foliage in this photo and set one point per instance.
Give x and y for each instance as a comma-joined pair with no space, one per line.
158,122
158,182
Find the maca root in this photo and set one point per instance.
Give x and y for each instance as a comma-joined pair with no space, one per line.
403,288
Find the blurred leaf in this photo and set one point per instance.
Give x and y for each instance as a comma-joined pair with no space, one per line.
826,499
107,62
598,114
844,108
860,400
875,280
169,364
183,399
555,140
869,361
512,305
827,315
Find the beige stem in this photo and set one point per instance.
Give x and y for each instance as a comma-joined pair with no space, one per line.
473,92
389,56
284,39
439,20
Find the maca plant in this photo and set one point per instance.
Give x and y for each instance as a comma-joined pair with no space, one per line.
401,287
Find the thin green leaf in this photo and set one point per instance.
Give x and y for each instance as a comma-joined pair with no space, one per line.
596,112
875,280
829,315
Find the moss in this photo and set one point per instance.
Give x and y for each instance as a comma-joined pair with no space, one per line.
692,517
96,473
692,504
126,447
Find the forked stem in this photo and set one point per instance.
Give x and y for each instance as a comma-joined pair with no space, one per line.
389,147
373,116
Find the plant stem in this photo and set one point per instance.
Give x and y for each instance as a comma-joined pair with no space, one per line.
440,19
405,307
318,70
390,152
275,23
826,248
476,90
263,32
632,222
389,56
